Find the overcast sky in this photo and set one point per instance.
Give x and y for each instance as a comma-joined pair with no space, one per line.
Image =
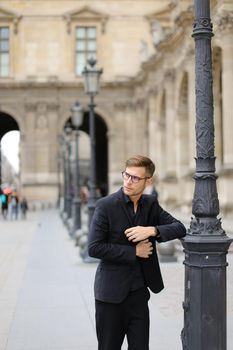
10,148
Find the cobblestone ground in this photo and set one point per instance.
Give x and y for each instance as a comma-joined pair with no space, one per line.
46,291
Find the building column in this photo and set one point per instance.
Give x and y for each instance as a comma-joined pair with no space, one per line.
140,124
39,152
191,113
225,28
170,122
153,113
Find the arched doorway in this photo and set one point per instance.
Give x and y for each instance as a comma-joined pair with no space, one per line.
7,124
101,154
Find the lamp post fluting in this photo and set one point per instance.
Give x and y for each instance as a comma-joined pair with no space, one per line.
206,243
77,119
91,80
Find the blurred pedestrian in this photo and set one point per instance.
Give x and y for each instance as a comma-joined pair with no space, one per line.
13,206
24,208
4,205
124,231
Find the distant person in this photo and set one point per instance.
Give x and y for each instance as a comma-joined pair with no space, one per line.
24,208
124,231
84,194
13,206
4,205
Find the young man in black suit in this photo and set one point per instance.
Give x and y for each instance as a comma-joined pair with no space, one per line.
125,228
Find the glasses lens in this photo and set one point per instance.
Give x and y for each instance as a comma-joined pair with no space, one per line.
135,179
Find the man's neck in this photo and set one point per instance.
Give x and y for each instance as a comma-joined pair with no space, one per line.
135,201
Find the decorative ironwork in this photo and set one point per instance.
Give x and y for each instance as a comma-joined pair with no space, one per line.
206,243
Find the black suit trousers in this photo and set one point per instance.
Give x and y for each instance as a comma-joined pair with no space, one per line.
130,318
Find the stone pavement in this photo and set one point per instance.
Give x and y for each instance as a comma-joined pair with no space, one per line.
46,291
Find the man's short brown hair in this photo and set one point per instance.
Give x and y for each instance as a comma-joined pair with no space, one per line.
141,161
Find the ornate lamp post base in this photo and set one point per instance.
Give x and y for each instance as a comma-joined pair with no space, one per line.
205,292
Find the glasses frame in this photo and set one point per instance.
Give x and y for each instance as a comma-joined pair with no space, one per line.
134,178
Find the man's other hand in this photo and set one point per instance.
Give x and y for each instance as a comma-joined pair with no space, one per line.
144,249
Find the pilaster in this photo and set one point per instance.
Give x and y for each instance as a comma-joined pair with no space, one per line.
224,22
170,122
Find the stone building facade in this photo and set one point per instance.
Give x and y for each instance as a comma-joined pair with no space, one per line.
147,100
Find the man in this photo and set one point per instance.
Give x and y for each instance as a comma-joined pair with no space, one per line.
125,228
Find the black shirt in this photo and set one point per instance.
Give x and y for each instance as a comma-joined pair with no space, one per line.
137,274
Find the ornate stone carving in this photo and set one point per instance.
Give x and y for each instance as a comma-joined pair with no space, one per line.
140,102
224,20
123,105
30,107
84,15
157,32
41,122
52,106
170,74
143,51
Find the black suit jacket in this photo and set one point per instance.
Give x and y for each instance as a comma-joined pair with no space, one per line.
117,255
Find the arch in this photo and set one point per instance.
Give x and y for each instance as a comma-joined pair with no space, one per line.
7,123
101,155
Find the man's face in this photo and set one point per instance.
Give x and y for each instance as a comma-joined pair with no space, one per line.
130,187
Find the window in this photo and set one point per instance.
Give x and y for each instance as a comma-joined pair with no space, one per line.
4,51
85,46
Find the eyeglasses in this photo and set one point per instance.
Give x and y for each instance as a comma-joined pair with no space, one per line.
135,179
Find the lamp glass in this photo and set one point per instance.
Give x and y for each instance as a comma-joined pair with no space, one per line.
77,115
91,77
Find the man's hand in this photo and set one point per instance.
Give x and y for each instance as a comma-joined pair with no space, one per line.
139,233
144,249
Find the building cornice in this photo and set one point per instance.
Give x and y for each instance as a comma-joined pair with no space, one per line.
9,16
83,15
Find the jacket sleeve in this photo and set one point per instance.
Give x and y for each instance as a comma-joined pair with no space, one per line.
99,245
169,228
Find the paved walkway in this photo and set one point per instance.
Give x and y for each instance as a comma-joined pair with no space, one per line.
46,291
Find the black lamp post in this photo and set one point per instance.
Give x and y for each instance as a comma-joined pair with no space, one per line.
77,119
59,168
0,162
91,79
68,198
64,162
206,243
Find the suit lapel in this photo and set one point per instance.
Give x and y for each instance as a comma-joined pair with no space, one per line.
123,206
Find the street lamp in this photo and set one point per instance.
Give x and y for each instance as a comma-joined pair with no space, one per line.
91,84
0,162
68,195
77,119
206,243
